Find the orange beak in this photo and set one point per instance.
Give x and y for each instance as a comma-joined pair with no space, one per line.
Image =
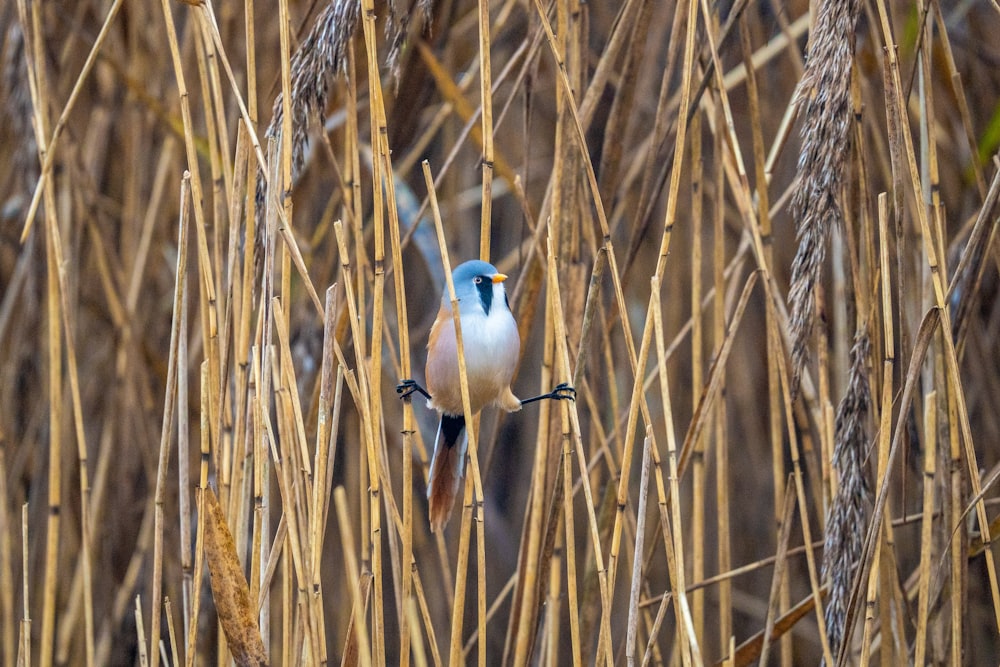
500,277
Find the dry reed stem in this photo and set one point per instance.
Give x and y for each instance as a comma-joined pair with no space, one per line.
57,289
872,538
638,363
167,424
6,565
773,382
779,576
140,634
885,422
689,639
171,631
926,526
24,645
54,348
640,534
199,545
524,608
956,527
563,370
350,561
698,473
486,104
572,595
327,428
381,173
951,359
474,484
783,372
719,430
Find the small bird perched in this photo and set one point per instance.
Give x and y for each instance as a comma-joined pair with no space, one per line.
492,346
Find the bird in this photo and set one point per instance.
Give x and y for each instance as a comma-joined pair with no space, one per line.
492,347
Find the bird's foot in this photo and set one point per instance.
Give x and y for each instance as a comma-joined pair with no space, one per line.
407,388
560,392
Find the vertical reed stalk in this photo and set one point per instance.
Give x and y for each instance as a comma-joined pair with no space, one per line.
486,104
698,481
719,413
926,526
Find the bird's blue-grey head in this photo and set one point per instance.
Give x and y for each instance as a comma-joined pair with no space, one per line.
478,284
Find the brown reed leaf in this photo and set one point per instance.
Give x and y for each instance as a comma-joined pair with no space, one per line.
749,651
825,90
229,588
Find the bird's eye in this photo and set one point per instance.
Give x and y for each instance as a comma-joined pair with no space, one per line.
477,279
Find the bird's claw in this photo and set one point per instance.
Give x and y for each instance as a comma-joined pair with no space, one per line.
407,388
563,391
559,393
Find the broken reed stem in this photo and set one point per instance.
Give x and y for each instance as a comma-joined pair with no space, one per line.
140,633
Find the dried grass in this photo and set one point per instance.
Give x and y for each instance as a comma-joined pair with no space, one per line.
649,174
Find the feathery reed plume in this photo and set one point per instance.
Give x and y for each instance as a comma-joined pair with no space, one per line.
825,90
397,25
845,523
319,58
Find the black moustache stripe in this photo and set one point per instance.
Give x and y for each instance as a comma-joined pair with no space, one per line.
485,287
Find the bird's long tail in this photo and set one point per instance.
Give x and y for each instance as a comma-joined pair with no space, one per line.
446,469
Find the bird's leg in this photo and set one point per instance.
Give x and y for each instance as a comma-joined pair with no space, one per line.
408,387
559,393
